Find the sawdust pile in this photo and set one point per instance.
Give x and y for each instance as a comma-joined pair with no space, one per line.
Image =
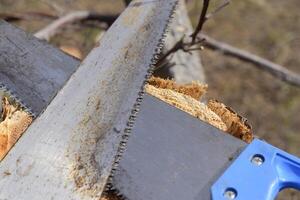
186,97
236,124
194,89
14,122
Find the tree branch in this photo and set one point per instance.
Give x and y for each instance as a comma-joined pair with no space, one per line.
52,29
180,45
201,21
193,45
274,69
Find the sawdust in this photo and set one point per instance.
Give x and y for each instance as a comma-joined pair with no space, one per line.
15,122
194,89
236,125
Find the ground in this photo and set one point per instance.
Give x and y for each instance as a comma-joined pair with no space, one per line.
269,28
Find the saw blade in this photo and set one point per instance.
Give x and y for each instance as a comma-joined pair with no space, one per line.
31,71
72,148
172,155
168,7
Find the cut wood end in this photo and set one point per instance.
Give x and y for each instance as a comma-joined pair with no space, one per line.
188,104
236,125
185,97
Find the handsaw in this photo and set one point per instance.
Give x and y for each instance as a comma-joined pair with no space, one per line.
173,155
31,71
71,149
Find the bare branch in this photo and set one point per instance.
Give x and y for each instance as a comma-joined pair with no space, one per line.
274,69
177,46
188,46
180,45
204,17
201,21
53,28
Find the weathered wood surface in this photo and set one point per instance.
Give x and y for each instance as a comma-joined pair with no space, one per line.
67,153
187,66
32,69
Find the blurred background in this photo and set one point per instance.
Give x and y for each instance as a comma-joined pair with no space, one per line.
268,28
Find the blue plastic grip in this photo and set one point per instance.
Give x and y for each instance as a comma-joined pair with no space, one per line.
260,172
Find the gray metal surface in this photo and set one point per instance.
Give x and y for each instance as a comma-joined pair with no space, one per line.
69,150
32,70
172,155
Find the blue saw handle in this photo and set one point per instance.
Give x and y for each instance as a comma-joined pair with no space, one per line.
260,172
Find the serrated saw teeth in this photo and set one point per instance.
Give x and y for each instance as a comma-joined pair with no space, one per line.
135,110
10,95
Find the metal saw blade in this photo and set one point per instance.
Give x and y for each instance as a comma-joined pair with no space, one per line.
73,146
172,155
31,71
